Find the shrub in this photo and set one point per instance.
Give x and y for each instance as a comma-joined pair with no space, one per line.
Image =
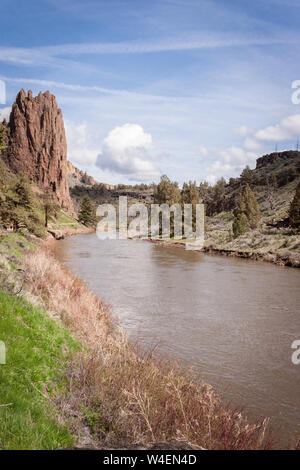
294,213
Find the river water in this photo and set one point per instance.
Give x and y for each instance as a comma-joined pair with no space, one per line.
234,320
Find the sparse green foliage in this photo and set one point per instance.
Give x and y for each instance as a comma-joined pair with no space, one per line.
239,225
246,214
23,195
2,138
18,203
167,192
87,214
249,207
247,176
294,213
50,207
190,193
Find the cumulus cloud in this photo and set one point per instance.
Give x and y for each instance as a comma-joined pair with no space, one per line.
203,150
251,143
288,128
243,131
4,113
126,151
230,162
79,150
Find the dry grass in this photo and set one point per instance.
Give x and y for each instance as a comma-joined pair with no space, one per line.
125,395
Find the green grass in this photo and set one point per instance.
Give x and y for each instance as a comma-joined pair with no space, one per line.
13,243
37,350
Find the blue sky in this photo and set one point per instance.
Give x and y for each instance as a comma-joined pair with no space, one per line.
195,89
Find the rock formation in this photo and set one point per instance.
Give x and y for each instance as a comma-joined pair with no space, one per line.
37,144
78,177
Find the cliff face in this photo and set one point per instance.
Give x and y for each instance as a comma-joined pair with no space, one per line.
37,144
289,156
78,177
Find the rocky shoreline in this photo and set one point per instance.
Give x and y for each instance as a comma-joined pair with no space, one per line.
275,258
270,257
68,232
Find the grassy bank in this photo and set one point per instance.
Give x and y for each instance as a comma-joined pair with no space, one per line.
124,396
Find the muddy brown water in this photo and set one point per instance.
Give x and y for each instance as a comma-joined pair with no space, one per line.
234,320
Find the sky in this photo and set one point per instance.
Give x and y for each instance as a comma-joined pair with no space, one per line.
195,89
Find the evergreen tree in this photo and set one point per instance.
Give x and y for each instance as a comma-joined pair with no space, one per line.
50,208
248,206
87,214
247,176
246,214
239,225
167,192
294,213
23,193
251,208
2,138
190,195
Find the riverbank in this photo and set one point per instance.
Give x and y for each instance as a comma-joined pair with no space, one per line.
117,394
291,259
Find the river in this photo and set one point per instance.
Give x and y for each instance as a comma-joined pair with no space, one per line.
234,320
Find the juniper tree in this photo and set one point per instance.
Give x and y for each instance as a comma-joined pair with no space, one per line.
250,207
2,138
50,208
167,192
239,225
294,212
246,214
190,195
247,176
87,214
23,193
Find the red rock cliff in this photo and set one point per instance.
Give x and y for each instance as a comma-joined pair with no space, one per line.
37,144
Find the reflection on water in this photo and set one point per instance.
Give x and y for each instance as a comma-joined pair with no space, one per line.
234,320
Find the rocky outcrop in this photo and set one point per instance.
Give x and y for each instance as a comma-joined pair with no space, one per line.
286,156
37,144
78,177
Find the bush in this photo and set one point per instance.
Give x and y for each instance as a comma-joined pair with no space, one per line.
239,225
294,213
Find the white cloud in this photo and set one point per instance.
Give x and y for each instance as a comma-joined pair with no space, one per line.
252,144
84,88
49,55
288,128
79,150
125,151
243,131
4,113
231,162
203,150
